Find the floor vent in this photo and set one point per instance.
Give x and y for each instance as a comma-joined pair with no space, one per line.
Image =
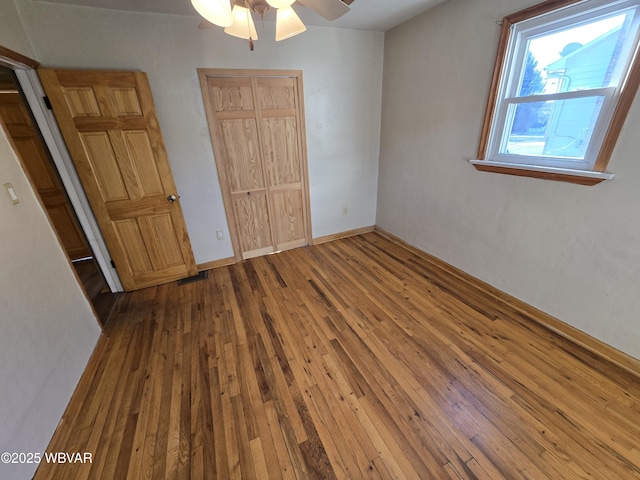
200,276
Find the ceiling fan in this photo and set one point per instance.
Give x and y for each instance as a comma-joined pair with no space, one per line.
238,21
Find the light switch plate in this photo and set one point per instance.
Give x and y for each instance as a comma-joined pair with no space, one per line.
12,193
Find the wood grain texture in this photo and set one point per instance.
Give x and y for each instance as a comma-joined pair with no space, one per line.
352,359
223,262
111,129
254,228
12,59
39,166
245,170
257,128
519,172
341,235
288,217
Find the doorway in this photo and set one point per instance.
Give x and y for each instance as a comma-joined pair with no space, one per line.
37,162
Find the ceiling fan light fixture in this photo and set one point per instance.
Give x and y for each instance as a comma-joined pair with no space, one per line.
288,23
217,12
280,3
242,26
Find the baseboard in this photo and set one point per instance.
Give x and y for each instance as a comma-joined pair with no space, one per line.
578,337
223,262
346,234
79,392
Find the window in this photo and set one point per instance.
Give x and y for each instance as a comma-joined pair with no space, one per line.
563,83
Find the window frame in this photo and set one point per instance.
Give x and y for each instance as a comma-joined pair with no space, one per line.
609,133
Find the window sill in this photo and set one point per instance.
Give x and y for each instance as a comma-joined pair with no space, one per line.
580,177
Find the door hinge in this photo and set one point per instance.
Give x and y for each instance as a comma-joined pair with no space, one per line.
113,264
47,102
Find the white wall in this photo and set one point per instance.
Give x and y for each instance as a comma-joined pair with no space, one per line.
12,34
571,251
48,329
342,83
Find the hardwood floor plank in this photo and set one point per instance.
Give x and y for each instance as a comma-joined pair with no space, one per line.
142,464
287,460
259,462
353,359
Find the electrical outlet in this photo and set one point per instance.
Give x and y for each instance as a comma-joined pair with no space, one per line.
219,234
345,210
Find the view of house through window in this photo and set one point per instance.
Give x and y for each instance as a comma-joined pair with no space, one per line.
587,61
562,77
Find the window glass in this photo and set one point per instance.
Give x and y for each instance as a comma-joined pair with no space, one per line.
575,57
562,76
557,128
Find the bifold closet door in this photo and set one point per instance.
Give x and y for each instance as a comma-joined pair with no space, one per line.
258,140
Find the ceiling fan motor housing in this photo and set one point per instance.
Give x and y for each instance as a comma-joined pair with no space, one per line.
258,6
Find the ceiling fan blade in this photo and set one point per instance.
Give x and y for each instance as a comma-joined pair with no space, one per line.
329,9
204,24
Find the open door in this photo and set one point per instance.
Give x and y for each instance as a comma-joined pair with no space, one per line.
110,126
35,158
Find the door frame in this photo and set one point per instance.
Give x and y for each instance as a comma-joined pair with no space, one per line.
25,70
220,152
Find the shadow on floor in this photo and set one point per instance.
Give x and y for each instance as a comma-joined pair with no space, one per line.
98,291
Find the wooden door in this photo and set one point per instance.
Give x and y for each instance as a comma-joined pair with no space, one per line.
35,158
258,135
109,124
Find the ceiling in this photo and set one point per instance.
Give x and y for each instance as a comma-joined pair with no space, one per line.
379,15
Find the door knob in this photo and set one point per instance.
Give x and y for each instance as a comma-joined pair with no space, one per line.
172,198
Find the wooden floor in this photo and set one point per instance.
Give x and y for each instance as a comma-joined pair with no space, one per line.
350,359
